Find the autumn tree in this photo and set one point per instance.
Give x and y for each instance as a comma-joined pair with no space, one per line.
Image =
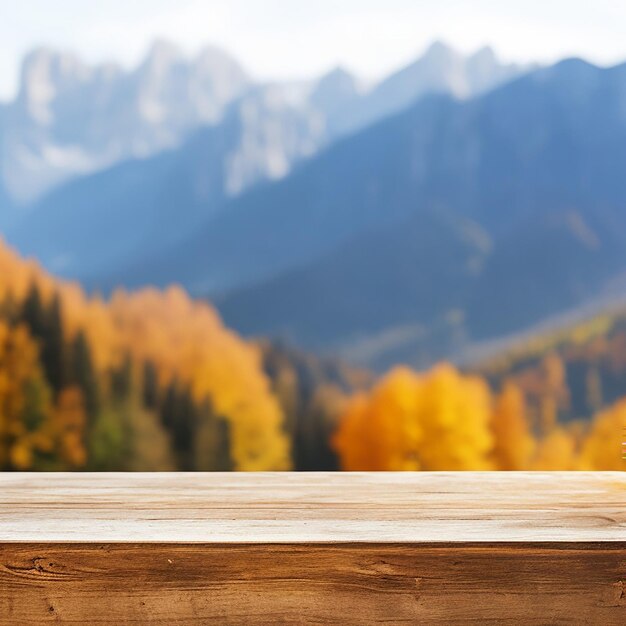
35,432
25,403
381,430
68,425
187,341
212,443
556,451
435,421
456,418
513,441
603,446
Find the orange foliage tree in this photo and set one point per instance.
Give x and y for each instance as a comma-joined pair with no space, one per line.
35,434
435,421
602,449
443,420
185,340
514,443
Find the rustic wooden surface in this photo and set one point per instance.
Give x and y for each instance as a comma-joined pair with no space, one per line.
313,548
305,508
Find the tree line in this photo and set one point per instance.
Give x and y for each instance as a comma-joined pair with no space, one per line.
154,381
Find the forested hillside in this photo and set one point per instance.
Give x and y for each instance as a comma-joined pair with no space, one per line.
567,374
445,420
155,381
145,381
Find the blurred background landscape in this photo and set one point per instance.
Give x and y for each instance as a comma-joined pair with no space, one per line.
224,248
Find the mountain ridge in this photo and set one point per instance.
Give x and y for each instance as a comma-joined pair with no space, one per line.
546,189
458,176
70,118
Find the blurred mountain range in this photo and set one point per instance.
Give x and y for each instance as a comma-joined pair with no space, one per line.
449,223
71,119
456,201
229,134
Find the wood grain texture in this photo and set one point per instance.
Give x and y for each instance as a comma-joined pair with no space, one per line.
317,584
313,549
309,508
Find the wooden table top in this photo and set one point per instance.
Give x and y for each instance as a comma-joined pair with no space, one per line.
313,508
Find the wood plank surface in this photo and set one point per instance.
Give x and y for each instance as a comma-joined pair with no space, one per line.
308,508
444,548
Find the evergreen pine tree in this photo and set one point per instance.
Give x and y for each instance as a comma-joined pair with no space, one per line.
84,375
122,380
53,350
10,309
32,313
179,416
150,386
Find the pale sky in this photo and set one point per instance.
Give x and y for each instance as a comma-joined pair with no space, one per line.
301,38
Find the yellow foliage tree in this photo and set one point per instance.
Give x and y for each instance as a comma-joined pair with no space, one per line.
603,447
456,416
381,430
24,401
408,422
556,452
514,444
69,427
187,340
